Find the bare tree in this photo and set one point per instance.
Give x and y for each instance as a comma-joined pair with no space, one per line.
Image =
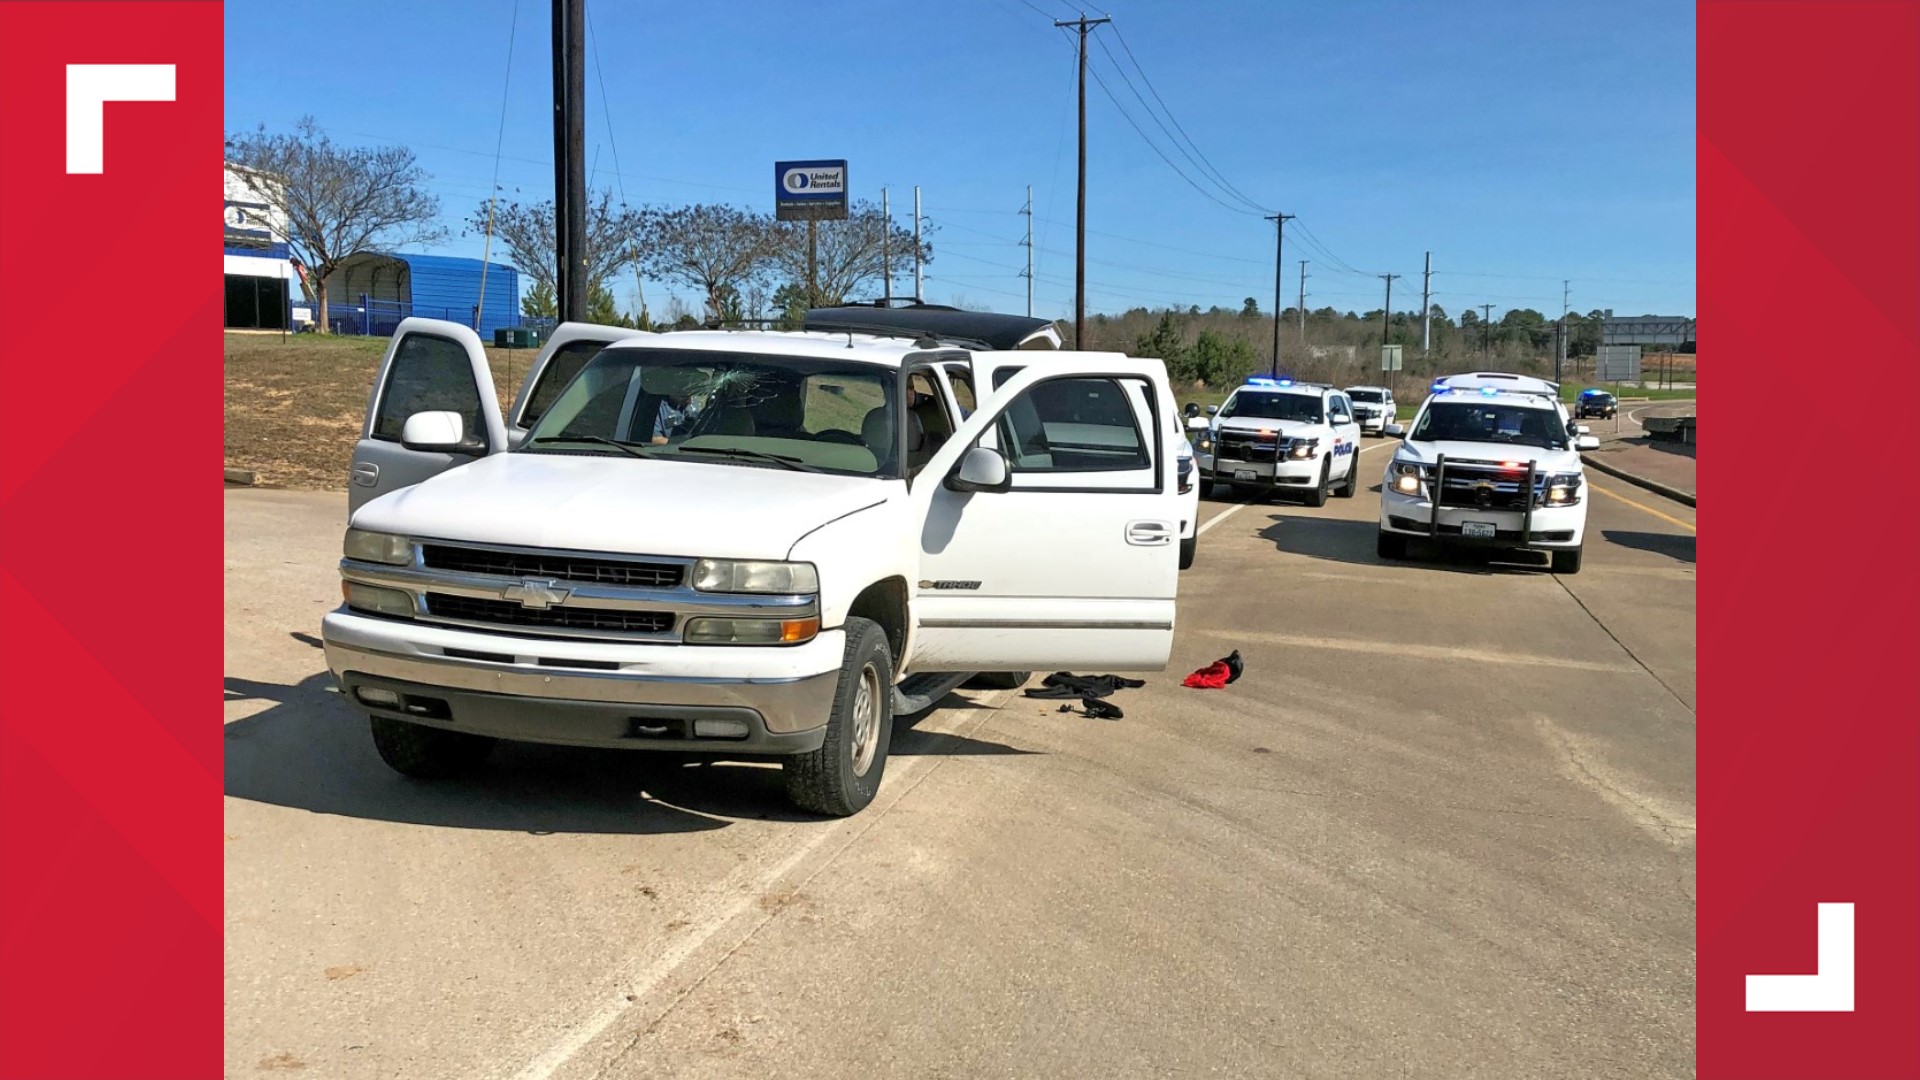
337,200
850,255
527,231
715,248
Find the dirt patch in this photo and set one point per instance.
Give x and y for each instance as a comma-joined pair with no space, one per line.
294,407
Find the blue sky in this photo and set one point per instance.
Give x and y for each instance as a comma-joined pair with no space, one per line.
1521,143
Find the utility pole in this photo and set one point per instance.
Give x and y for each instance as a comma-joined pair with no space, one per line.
570,156
1560,348
916,244
1486,330
813,263
1426,307
886,248
1028,211
1386,316
1279,237
1303,302
1083,24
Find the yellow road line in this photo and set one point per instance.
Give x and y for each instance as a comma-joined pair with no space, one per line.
1642,506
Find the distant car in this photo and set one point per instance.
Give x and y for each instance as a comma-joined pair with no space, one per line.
1374,408
1595,403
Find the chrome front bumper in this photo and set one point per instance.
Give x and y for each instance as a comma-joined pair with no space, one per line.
539,690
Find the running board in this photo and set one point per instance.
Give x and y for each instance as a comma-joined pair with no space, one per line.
918,693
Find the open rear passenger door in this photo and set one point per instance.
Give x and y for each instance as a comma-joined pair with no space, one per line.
431,366
1050,525
567,350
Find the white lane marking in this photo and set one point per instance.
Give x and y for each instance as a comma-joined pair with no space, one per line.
632,989
1237,507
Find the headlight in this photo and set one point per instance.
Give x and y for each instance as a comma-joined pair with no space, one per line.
1302,449
719,631
743,576
1563,489
379,601
378,547
1409,478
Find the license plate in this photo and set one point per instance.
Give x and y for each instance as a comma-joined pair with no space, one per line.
1483,530
1245,474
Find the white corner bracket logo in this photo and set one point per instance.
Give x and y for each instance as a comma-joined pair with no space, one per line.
1829,988
89,88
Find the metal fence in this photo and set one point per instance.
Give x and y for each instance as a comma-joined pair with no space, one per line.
378,318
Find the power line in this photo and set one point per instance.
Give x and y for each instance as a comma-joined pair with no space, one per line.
1151,145
1208,164
1164,130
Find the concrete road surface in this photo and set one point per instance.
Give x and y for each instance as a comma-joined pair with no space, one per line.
1442,827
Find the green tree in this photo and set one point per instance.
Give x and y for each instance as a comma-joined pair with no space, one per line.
540,303
1249,308
1166,341
602,310
1219,360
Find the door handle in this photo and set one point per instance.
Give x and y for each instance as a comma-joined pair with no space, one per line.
1149,533
366,473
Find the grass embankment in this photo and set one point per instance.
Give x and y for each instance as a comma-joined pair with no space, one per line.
294,407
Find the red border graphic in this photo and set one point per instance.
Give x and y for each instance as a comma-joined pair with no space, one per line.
1809,742
110,538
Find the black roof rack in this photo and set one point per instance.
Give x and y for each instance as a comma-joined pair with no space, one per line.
984,330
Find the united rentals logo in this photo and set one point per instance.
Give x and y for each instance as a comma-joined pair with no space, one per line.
535,594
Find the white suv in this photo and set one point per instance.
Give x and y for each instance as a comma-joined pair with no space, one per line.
1374,408
1277,434
1490,460
743,543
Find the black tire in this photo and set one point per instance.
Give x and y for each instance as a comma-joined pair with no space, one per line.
1567,562
428,753
998,680
1390,545
829,780
1351,486
1188,548
1318,496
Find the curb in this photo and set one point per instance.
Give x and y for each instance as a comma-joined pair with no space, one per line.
243,477
1637,480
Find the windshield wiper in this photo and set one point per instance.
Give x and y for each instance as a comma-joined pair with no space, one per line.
781,460
625,447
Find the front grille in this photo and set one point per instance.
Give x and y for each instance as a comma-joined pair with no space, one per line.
1485,489
593,568
1236,446
509,613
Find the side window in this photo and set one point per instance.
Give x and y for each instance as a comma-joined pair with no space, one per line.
931,424
962,381
1075,425
562,366
429,374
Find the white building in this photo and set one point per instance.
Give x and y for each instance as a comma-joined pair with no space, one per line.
259,265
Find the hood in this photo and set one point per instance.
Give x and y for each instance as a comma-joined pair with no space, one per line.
1299,428
622,505
1426,452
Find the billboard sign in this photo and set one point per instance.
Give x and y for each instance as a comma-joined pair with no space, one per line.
810,190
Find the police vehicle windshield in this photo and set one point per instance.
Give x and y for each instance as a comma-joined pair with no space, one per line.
1372,397
1272,405
1491,422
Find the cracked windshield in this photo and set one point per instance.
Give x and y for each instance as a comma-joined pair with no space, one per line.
733,408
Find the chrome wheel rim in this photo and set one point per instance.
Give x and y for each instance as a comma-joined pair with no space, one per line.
866,720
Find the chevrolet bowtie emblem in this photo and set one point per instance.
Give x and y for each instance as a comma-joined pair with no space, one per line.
537,594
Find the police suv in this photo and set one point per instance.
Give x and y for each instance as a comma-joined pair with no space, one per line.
1278,434
1490,460
1374,408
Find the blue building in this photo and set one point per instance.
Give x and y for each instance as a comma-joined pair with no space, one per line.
371,292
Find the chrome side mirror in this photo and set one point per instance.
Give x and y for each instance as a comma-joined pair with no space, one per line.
981,470
435,431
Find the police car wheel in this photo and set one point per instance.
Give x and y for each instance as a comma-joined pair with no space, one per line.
1351,485
1318,496
1566,562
